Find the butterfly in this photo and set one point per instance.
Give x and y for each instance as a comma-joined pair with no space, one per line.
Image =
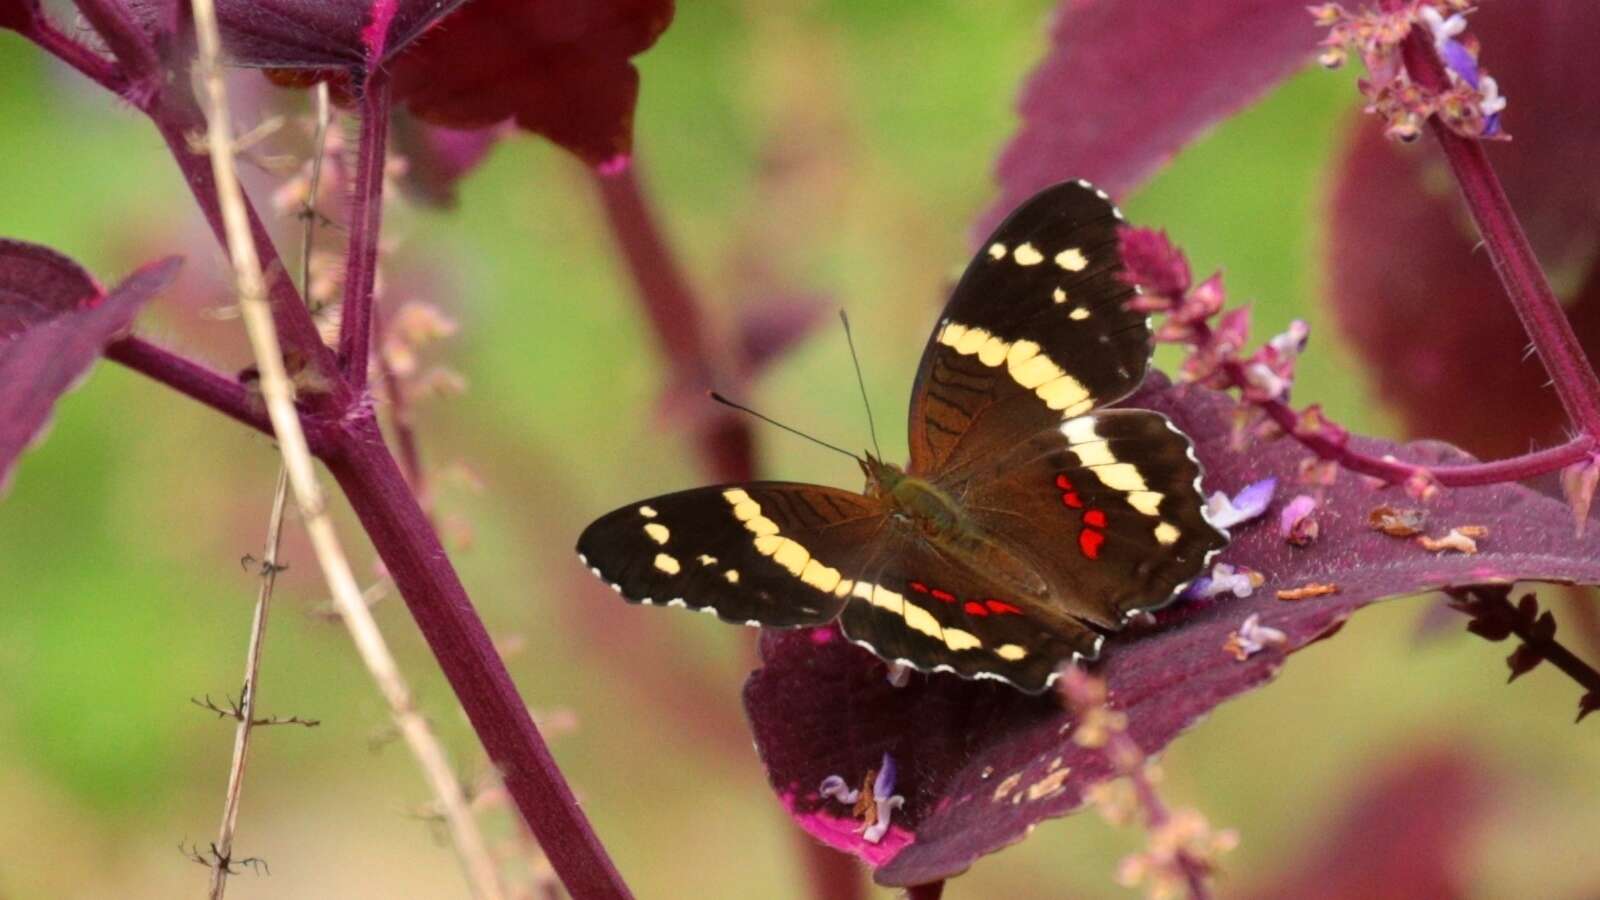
1031,518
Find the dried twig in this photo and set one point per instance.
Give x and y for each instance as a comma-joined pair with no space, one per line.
277,392
244,710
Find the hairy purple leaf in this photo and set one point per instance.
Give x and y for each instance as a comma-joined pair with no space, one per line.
1126,83
980,764
1419,299
346,35
54,322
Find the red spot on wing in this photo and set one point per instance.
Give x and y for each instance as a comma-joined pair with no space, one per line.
975,609
1002,607
919,587
1063,482
1095,517
1089,542
944,595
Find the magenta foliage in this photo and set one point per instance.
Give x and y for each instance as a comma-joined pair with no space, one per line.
54,323
559,68
1408,277
1127,83
980,764
349,35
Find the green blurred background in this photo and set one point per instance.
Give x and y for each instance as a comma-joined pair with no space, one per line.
836,148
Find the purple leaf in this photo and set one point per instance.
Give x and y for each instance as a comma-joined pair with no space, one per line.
560,68
54,322
348,35
1411,287
980,764
1126,83
18,15
436,158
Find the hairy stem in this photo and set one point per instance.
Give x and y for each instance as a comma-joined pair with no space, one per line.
115,24
1517,468
1536,304
366,217
90,64
212,388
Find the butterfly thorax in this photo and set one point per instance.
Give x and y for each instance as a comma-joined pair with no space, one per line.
940,519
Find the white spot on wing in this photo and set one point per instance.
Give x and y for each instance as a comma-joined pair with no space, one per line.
1027,255
1072,259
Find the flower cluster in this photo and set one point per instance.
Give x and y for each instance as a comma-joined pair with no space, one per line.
1182,848
1469,105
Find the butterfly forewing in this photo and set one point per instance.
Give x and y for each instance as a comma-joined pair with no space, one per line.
1036,331
764,553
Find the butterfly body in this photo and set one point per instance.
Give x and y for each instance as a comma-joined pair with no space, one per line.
1029,519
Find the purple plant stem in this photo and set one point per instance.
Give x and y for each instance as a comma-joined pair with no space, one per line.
933,890
397,526
410,550
1331,447
208,386
366,218
133,48
1517,468
675,314
89,63
1536,304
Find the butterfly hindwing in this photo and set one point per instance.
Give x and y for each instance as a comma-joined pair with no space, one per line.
914,607
764,553
1107,506
1036,331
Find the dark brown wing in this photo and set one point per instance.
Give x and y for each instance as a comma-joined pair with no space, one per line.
1107,507
919,608
1036,332
764,553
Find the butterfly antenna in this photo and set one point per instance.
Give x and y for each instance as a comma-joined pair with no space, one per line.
872,427
771,421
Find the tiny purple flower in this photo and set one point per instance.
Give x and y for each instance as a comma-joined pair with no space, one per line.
834,788
1253,637
887,801
1249,503
880,806
1225,579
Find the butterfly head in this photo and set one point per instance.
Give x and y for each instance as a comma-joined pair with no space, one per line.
882,477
